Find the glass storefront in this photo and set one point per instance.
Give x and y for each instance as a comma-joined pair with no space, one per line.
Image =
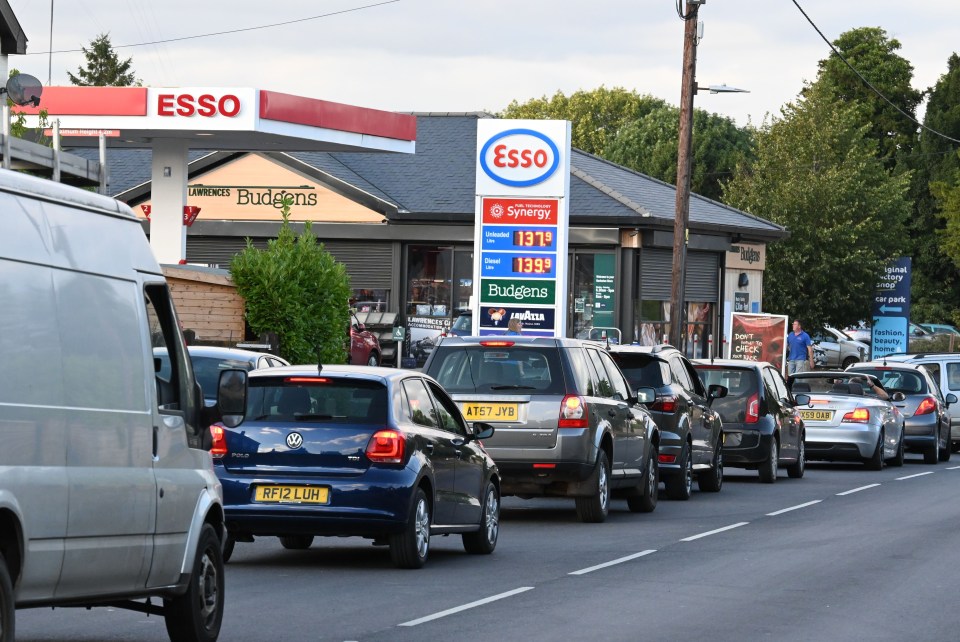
592,293
439,284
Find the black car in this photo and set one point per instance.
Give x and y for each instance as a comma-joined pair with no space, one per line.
691,435
762,428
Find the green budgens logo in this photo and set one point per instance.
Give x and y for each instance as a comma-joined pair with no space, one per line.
523,291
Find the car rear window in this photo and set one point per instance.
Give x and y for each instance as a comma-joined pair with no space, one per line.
642,370
207,371
320,398
533,370
894,380
741,384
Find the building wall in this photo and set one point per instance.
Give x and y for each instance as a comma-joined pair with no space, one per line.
207,303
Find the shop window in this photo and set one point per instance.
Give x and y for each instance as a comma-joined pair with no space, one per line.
592,292
698,328
653,322
370,300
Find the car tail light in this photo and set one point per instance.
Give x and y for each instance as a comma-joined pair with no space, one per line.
664,403
858,416
573,413
306,380
536,466
753,409
666,459
386,447
926,406
218,448
497,344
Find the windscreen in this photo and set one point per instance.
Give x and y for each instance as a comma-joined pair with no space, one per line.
321,399
741,384
481,369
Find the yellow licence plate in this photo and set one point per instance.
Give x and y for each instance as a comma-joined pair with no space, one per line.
292,494
816,415
474,411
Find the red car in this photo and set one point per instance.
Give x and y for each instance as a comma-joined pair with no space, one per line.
364,345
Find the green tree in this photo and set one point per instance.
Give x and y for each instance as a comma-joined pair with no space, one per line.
649,145
104,67
296,289
817,173
936,275
871,52
596,116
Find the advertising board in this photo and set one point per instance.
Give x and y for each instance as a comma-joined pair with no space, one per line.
759,337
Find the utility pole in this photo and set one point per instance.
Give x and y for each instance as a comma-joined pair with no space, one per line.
688,89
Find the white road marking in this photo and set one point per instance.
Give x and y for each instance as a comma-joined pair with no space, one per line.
719,530
929,472
621,560
857,490
798,506
458,609
953,468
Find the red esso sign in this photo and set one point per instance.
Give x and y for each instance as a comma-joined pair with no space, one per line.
206,105
519,157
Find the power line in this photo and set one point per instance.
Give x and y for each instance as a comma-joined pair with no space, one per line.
224,33
867,82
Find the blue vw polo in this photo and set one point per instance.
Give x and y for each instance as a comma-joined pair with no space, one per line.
348,450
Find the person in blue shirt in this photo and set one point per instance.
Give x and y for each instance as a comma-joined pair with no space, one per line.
514,326
799,350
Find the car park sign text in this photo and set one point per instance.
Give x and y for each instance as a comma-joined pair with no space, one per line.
521,229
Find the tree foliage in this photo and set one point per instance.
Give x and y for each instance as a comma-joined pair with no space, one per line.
649,145
596,116
296,289
817,173
104,67
874,55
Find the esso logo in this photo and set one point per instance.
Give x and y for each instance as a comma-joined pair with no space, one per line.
519,157
205,105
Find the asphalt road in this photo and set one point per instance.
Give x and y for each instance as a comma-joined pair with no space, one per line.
843,554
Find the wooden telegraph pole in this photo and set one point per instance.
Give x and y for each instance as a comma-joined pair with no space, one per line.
688,88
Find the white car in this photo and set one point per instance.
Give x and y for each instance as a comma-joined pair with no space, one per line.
835,349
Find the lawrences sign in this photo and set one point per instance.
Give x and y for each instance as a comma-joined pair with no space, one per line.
759,337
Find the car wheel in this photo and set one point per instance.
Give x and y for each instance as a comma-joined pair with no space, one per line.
849,361
228,547
410,548
711,481
296,542
646,500
7,613
483,541
768,469
797,468
373,360
875,462
680,487
898,458
196,615
932,455
594,509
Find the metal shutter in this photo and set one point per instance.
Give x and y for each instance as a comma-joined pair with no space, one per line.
368,264
702,277
656,270
656,274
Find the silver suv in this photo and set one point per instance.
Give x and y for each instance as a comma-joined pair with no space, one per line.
567,422
944,368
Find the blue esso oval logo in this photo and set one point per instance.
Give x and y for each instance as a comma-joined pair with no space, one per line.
519,158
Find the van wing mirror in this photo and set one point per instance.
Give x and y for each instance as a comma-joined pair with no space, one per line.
232,396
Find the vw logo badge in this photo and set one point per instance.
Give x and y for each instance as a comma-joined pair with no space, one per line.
294,440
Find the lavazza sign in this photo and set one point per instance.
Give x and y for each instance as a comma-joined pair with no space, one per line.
522,226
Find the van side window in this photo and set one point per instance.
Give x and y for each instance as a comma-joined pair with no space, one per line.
176,391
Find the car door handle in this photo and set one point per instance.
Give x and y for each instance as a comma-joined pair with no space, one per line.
458,442
429,449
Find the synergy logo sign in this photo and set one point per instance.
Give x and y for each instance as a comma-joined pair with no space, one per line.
519,157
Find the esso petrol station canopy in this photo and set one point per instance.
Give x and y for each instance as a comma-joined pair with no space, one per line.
170,121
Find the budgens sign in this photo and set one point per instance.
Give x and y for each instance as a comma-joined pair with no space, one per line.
521,226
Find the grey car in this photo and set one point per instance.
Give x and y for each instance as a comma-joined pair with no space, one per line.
927,423
209,361
835,349
567,422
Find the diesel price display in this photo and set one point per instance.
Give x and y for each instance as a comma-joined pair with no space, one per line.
532,265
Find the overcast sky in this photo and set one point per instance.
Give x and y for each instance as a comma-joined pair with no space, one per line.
451,55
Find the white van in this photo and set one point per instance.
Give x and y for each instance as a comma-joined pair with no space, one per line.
107,490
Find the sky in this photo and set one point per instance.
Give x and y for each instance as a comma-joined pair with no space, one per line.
455,56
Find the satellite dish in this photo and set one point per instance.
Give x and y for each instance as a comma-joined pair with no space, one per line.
24,89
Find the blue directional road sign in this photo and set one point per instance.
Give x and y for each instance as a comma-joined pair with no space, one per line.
891,309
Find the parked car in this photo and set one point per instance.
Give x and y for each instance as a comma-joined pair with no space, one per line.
940,328
762,429
691,437
927,423
349,450
944,368
846,420
91,432
568,423
364,345
209,361
835,349
462,325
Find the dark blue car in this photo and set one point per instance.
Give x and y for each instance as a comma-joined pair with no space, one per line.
348,450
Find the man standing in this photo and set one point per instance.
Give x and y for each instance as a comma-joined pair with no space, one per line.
799,350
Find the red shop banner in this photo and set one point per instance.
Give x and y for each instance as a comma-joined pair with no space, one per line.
759,337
